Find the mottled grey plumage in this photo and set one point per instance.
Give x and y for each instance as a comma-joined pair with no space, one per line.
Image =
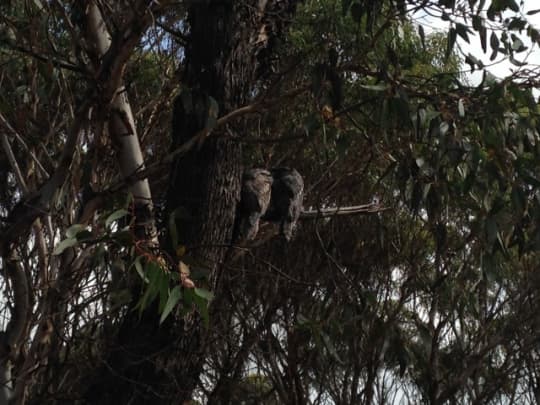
255,198
274,196
286,202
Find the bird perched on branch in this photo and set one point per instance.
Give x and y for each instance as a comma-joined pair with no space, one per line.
254,201
273,195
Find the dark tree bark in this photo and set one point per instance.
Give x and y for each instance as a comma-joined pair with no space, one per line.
226,58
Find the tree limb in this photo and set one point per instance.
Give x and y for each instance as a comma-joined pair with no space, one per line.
25,213
343,211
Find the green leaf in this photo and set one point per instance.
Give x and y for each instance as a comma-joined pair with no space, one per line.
422,35
84,235
451,40
477,22
139,268
212,115
494,43
515,62
483,38
519,201
357,11
311,123
116,215
463,31
202,307
447,3
207,295
345,5
491,230
416,196
425,337
517,44
73,230
461,108
330,347
403,358
473,61
66,243
163,289
124,238
154,286
172,300
374,87
517,24
534,35
533,12
512,5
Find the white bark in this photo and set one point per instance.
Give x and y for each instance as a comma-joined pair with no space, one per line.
122,127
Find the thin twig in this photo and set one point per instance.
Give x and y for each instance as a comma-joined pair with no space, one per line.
19,138
11,156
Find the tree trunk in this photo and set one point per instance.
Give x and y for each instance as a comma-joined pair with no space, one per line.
162,363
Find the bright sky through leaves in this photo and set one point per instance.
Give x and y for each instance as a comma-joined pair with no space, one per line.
501,67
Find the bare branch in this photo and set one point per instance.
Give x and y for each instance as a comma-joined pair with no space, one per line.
11,339
19,138
11,157
343,211
26,212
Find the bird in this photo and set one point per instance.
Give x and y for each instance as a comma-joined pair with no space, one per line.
273,195
254,200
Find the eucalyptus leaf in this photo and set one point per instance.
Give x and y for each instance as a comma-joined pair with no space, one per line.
65,244
116,215
174,297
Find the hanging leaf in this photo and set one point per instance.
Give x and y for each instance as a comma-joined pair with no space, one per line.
73,230
116,215
451,40
515,62
139,268
462,31
483,38
518,45
66,243
330,347
205,294
461,108
491,230
172,300
494,43
345,6
212,114
202,307
357,11
512,5
374,87
422,35
517,24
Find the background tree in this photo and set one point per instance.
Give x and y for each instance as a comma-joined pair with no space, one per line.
431,298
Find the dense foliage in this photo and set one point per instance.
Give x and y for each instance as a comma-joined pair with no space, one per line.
430,297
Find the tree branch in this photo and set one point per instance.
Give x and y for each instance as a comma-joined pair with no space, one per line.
11,156
25,213
370,208
11,339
